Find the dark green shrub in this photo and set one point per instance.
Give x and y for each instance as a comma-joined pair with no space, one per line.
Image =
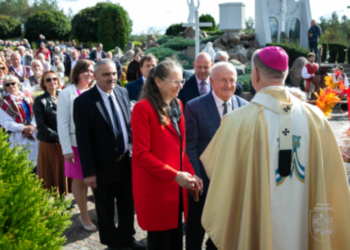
215,33
209,39
114,27
248,69
54,24
85,23
30,216
161,53
337,53
207,19
333,52
324,52
9,27
294,51
348,55
245,80
178,43
174,29
164,39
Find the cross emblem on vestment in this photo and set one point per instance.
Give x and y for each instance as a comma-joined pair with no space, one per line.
285,132
286,109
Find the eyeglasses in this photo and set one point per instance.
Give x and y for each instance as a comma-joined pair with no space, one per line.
51,79
177,82
2,68
9,84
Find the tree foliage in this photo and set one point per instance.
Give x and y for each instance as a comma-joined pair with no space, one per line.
9,27
30,216
114,28
335,30
53,24
21,9
174,29
207,18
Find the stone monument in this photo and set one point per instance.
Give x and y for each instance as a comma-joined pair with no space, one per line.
192,9
232,16
282,18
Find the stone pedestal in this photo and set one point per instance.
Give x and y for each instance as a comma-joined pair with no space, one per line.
232,16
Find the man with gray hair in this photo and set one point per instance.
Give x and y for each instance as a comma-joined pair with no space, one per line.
18,70
32,83
221,56
117,63
21,51
274,166
202,117
103,133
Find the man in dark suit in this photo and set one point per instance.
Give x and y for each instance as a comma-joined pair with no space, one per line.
202,117
199,83
102,119
98,53
134,88
117,63
67,62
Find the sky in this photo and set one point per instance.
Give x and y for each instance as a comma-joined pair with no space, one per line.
160,14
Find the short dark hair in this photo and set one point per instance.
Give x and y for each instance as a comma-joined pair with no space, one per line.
147,58
310,55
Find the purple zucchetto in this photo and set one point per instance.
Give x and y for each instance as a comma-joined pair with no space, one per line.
274,57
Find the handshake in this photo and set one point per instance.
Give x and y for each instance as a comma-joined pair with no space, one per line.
193,183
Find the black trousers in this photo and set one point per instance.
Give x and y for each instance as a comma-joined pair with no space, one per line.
314,48
194,230
169,239
105,196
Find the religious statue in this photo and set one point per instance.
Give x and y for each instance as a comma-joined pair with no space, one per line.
193,8
210,50
283,14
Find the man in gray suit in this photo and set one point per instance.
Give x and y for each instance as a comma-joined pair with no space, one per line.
203,115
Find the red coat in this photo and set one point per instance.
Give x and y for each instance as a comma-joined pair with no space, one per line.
155,163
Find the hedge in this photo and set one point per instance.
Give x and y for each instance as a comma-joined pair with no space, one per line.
30,216
293,51
114,28
215,33
324,52
207,19
178,43
9,27
164,39
336,53
348,55
161,53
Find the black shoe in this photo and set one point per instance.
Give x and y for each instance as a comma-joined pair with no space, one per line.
136,245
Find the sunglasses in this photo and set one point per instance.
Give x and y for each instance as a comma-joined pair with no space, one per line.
51,79
9,84
2,68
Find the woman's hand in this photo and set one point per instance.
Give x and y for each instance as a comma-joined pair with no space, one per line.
69,158
198,184
185,180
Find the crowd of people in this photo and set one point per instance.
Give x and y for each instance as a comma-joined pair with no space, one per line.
139,147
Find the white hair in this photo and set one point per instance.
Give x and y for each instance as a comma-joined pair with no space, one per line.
21,47
221,65
221,54
11,78
102,61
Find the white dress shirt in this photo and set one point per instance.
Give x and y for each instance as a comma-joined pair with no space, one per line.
220,104
73,64
144,79
98,55
207,84
304,72
105,97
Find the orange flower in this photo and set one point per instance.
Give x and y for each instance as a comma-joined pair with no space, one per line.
326,101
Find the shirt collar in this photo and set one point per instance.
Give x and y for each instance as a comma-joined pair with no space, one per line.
199,81
105,95
144,79
220,102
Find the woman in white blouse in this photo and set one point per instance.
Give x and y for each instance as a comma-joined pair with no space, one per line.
82,79
16,116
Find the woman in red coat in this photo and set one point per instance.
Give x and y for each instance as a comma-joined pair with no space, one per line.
161,170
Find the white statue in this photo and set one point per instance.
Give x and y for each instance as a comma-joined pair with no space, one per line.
210,50
283,14
193,8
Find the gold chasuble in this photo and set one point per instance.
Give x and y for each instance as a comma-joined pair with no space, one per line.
244,204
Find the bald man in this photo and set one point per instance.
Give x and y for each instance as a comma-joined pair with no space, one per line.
199,83
202,117
277,178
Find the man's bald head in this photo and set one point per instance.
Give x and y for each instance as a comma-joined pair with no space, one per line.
202,66
109,55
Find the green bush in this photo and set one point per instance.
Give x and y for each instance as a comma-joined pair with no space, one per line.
114,28
9,27
215,33
30,216
245,80
85,23
209,39
161,53
248,69
348,55
207,18
294,51
54,24
137,43
324,52
174,29
337,53
178,43
164,39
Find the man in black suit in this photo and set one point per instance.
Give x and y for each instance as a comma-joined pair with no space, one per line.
67,62
199,83
117,63
134,88
98,53
102,119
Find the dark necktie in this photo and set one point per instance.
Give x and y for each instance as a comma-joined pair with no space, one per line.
203,88
225,109
118,127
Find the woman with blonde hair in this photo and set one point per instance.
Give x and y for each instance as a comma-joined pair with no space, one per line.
82,79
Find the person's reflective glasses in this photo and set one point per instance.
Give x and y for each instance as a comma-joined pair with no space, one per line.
2,68
51,79
177,82
9,84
